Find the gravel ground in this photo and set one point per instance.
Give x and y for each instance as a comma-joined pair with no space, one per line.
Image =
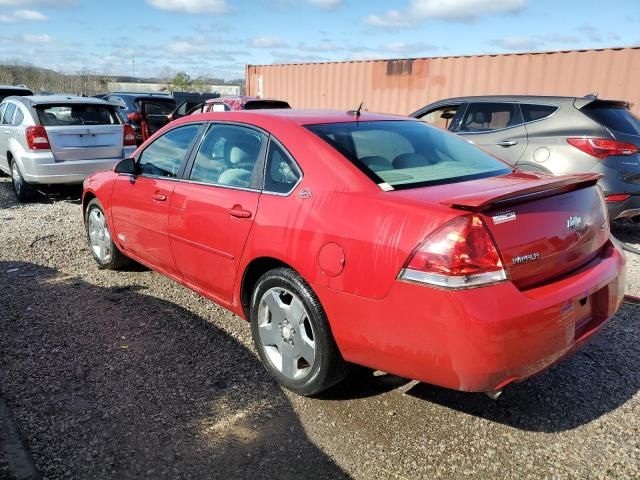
129,375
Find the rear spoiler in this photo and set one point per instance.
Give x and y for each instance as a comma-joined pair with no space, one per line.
512,193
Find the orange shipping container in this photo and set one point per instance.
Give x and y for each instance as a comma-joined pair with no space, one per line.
404,85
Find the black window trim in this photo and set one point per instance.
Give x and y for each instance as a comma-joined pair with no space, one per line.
185,158
486,132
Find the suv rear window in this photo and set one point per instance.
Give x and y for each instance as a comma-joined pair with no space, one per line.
263,104
76,114
408,154
614,117
155,106
7,92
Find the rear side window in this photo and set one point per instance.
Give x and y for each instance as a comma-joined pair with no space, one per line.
281,173
485,117
164,156
18,117
63,115
8,113
616,118
408,154
532,112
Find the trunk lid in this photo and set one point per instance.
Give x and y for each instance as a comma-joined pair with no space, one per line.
86,142
544,227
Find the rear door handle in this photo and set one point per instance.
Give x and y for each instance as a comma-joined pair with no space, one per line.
239,212
159,197
507,143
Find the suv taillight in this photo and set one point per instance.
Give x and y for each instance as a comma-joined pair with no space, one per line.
37,138
602,148
461,254
135,116
129,138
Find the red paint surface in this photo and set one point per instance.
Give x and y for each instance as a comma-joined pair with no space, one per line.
473,339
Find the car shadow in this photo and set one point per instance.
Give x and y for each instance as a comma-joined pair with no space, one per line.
115,383
599,378
626,231
43,194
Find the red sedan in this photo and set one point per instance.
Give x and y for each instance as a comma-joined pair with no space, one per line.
365,239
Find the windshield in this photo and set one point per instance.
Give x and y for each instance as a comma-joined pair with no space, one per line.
76,114
408,154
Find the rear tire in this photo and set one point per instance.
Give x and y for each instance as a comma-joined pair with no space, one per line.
23,190
105,252
292,334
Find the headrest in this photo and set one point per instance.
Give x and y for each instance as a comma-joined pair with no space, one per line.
409,160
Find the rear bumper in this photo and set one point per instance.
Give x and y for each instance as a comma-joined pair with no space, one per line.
41,168
478,339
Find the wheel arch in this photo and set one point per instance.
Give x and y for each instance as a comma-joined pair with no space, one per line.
253,271
86,198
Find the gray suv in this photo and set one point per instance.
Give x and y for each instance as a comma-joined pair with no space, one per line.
554,135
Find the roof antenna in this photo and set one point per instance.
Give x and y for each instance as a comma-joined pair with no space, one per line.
356,113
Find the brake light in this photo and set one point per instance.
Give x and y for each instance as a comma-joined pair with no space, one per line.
619,197
461,254
602,148
37,138
129,138
134,116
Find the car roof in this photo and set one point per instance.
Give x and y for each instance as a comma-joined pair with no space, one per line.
300,117
514,98
15,87
32,100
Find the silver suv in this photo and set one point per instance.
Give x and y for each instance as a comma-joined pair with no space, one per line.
554,135
58,139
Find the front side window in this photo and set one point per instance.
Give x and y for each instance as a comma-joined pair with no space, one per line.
442,117
228,156
8,113
164,156
408,154
281,172
485,117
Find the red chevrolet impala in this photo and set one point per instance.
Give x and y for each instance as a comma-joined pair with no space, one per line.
349,238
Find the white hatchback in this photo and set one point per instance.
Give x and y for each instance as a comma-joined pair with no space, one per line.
59,139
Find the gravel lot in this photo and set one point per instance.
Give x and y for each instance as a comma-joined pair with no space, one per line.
128,375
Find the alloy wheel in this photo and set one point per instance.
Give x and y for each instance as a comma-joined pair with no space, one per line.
99,236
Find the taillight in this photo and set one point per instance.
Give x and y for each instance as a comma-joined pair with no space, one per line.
461,254
602,148
618,197
37,138
129,136
134,116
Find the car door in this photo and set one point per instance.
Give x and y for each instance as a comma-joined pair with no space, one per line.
496,127
212,212
140,203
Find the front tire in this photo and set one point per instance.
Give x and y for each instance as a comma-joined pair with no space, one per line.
104,251
23,190
292,334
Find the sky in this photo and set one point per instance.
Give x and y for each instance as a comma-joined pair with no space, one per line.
217,38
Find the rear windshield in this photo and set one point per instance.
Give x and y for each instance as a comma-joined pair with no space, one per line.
75,114
616,118
260,104
7,92
408,154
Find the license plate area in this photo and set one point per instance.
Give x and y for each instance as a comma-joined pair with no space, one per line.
591,312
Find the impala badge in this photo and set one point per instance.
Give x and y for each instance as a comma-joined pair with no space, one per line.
531,257
504,217
574,223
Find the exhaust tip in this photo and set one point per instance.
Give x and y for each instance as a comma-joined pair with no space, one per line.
493,394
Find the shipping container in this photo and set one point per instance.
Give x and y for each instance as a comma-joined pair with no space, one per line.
402,86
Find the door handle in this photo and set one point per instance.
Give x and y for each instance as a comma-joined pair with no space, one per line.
239,212
159,197
7,131
507,143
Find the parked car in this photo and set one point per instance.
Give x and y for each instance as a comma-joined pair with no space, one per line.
57,139
145,112
365,238
557,135
9,90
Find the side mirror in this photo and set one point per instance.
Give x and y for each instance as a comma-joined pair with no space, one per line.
127,166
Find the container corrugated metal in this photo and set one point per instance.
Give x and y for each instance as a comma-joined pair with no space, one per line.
402,86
